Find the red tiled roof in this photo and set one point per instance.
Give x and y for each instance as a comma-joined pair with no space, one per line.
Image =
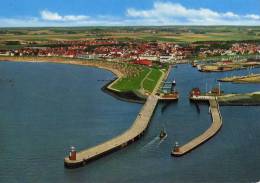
143,62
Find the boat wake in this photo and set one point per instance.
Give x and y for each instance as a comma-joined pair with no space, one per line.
161,140
151,143
155,142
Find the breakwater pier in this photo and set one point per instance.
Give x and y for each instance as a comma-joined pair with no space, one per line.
132,134
77,159
210,132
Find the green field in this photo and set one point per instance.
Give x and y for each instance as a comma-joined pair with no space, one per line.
135,77
251,78
180,34
151,80
146,80
247,99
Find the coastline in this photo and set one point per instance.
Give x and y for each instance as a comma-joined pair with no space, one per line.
217,68
124,96
60,60
246,99
247,79
129,96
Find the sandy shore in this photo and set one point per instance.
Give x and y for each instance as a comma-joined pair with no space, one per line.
125,96
253,78
59,60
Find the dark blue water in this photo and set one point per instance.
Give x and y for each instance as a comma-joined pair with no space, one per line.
45,108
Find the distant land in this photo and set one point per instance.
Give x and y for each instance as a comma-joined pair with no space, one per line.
179,34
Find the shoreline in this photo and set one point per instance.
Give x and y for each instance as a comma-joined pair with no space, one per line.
60,60
129,96
238,104
246,79
216,68
245,99
123,96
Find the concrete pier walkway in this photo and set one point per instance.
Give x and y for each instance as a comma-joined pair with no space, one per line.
210,132
133,133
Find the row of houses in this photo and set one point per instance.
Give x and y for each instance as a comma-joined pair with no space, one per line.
127,50
164,52
235,49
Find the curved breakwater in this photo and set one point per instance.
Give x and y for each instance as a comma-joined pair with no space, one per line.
67,108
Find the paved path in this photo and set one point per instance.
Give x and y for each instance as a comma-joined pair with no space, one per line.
142,82
133,133
159,82
210,132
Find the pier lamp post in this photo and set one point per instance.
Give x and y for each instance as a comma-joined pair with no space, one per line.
176,147
73,153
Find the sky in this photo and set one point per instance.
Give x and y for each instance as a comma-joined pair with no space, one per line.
32,13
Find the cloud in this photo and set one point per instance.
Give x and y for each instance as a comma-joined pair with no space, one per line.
50,16
54,16
167,9
175,13
253,16
162,13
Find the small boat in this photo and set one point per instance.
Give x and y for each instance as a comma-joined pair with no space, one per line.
194,64
163,134
199,68
173,82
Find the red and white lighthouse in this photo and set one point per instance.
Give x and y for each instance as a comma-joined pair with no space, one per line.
73,153
176,147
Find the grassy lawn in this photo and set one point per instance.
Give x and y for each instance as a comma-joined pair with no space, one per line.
149,77
255,78
151,81
131,83
241,98
249,79
256,97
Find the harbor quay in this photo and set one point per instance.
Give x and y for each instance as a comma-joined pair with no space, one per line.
78,159
81,158
209,133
